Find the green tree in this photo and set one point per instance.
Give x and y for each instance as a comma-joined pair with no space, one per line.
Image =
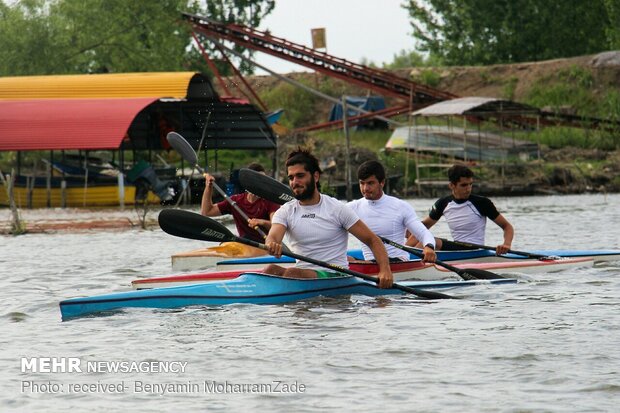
405,59
98,36
491,31
246,12
612,7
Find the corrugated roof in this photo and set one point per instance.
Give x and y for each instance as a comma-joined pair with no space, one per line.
67,123
98,111
231,125
474,105
56,124
109,85
458,142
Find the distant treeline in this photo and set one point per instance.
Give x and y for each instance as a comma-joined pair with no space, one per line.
482,32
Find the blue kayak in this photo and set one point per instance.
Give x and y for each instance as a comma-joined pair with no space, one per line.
477,255
249,288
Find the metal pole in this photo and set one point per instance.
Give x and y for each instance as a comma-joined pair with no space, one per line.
121,190
86,179
465,138
63,193
48,184
347,153
295,83
409,120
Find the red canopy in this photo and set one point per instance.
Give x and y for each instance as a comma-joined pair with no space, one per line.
56,124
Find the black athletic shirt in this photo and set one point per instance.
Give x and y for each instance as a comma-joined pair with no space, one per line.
466,217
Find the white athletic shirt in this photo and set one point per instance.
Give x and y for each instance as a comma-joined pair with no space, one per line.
317,231
467,218
390,217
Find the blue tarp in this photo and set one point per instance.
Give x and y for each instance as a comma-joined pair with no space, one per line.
369,103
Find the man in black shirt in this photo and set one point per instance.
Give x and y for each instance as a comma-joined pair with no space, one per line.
466,213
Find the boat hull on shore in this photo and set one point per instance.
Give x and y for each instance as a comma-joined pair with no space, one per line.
248,288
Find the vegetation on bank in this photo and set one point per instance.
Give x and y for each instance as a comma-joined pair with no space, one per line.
583,154
67,37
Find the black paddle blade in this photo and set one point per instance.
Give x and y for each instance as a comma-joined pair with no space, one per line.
187,224
481,274
182,147
265,186
466,274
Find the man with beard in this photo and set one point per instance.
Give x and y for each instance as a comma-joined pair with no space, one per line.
318,226
387,216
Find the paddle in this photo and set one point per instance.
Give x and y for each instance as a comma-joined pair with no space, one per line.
486,247
187,224
465,273
187,152
202,139
268,188
265,186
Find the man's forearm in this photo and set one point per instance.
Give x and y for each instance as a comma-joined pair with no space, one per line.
509,234
378,250
206,205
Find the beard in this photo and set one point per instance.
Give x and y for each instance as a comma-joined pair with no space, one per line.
308,192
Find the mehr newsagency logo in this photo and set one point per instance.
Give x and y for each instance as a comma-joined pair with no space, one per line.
77,365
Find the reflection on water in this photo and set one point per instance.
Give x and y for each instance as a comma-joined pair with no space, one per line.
547,344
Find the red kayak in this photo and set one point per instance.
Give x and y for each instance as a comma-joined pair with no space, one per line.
406,270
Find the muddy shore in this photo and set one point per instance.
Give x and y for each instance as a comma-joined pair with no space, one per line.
51,220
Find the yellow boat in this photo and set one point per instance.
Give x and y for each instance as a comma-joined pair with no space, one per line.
75,195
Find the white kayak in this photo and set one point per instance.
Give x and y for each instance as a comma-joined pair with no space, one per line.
233,256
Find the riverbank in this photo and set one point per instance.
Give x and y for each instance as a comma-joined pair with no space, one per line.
54,220
48,220
559,172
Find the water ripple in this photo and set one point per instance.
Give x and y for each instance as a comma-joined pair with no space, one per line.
548,343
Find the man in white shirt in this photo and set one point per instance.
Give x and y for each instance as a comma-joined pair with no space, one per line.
467,213
318,226
388,216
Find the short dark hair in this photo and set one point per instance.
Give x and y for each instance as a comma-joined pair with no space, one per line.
255,166
370,168
304,157
458,171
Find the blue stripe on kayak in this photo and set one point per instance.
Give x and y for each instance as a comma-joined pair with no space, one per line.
357,254
441,255
258,260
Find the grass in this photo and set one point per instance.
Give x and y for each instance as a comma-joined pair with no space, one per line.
428,77
510,86
373,140
560,137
